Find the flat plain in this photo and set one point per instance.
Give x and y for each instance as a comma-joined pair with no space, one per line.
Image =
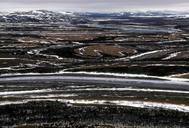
100,70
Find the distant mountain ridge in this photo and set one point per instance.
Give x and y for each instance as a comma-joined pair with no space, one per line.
69,17
41,16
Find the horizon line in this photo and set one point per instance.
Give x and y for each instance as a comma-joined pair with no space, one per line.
94,11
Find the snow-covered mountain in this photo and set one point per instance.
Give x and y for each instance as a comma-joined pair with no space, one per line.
41,16
69,17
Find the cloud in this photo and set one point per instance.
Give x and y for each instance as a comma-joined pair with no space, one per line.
93,5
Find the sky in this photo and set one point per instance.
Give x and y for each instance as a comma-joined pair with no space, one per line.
94,5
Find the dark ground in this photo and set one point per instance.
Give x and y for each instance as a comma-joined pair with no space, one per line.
55,114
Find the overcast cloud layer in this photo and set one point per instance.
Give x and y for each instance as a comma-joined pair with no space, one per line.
94,5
